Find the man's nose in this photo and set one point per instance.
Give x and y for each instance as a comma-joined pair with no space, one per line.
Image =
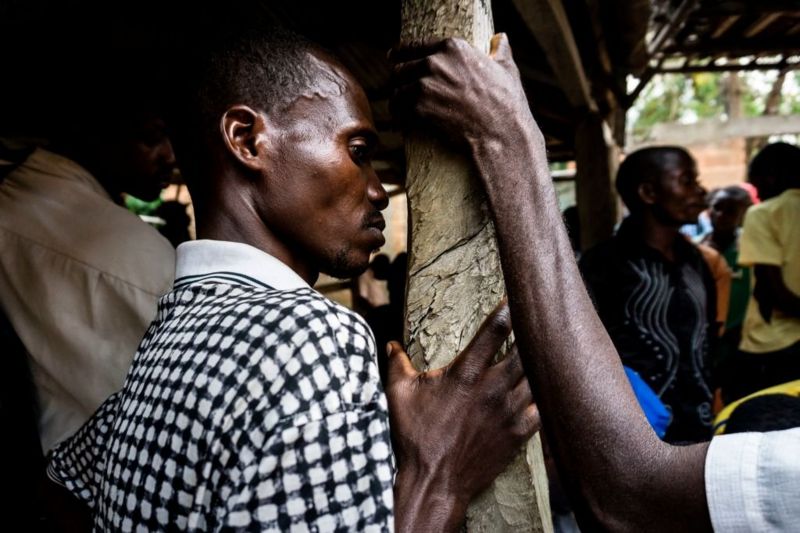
167,153
375,191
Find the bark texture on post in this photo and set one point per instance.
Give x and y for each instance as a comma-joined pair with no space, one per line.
597,160
454,270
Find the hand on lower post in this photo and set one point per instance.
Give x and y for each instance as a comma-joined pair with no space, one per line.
456,428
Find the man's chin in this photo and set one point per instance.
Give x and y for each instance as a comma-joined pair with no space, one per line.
344,267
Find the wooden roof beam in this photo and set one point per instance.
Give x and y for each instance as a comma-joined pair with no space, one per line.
781,65
724,26
671,28
528,73
738,47
762,23
548,22
739,7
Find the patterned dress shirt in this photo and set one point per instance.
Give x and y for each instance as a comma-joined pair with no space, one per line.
253,403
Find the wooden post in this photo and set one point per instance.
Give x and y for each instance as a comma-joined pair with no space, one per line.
454,270
597,159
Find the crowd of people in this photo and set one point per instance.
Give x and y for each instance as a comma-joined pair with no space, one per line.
211,387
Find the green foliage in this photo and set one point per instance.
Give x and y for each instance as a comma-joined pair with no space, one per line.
708,100
659,102
686,98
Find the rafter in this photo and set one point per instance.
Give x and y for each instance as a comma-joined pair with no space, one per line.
548,22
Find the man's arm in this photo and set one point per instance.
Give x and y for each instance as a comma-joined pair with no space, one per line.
760,248
455,429
620,475
772,293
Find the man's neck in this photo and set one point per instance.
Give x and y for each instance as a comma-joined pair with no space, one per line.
659,236
224,221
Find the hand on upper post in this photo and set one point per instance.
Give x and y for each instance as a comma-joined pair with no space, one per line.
471,96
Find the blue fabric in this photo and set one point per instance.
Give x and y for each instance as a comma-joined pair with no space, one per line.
655,411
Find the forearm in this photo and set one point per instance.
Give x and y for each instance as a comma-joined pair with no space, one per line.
773,292
603,444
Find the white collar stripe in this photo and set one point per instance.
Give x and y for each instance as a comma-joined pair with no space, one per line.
226,277
205,259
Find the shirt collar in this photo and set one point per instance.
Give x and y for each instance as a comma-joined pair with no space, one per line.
207,259
634,244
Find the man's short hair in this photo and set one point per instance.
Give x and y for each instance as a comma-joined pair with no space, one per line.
643,166
262,67
777,160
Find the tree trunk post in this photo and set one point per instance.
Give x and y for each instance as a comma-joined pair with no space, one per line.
454,276
597,160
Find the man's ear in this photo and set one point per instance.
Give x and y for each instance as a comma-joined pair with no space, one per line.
647,193
244,132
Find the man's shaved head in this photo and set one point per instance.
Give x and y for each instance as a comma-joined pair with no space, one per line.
644,166
263,68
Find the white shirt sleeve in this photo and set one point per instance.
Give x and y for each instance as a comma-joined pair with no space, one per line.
753,481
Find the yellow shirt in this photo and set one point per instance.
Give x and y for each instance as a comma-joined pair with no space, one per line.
771,236
792,388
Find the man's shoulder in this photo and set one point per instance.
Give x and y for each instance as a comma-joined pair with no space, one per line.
285,351
73,220
299,319
762,212
605,255
301,303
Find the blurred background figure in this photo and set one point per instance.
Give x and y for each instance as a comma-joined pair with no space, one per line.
727,207
80,275
654,291
770,244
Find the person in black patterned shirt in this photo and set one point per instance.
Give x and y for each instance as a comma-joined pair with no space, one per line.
253,402
653,290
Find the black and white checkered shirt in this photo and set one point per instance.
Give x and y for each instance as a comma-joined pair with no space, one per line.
253,403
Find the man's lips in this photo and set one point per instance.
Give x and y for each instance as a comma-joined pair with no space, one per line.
376,226
379,224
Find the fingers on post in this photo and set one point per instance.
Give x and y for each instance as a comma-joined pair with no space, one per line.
510,369
500,51
528,423
477,356
521,396
399,364
415,50
411,71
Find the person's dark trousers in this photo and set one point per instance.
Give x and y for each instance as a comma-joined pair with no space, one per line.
21,460
752,372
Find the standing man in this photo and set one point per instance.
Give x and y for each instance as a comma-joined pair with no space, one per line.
770,244
254,402
653,290
79,274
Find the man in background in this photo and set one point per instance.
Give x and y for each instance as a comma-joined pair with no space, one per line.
653,289
80,275
770,244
